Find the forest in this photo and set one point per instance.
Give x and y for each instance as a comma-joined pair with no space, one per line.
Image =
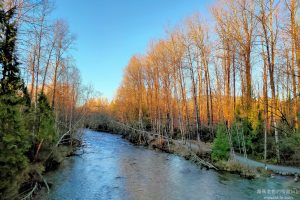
231,83
39,96
233,80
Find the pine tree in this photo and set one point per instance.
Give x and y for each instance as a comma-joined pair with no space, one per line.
45,123
220,148
46,119
10,80
13,134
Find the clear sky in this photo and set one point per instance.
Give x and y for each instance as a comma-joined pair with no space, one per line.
109,32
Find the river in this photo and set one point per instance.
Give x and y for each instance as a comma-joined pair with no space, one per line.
112,168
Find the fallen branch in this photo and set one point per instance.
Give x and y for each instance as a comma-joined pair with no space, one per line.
29,195
45,182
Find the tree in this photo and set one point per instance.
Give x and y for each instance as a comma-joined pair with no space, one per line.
14,141
249,68
193,67
63,41
45,133
294,34
270,40
29,127
221,147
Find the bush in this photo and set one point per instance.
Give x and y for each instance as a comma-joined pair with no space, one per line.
221,147
290,149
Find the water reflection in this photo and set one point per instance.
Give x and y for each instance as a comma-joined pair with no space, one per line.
111,168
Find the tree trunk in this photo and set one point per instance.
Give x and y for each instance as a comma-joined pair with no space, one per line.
294,46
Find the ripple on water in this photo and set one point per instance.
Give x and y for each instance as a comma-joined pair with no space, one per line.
112,168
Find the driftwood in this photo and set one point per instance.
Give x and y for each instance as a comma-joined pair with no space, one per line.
200,161
152,136
29,194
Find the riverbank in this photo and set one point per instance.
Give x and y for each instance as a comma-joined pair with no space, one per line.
36,186
200,154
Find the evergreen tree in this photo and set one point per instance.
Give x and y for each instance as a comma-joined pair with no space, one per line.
46,119
220,148
13,134
10,80
45,123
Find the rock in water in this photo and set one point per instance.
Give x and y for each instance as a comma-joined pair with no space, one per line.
296,178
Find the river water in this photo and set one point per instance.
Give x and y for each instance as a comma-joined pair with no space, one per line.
112,168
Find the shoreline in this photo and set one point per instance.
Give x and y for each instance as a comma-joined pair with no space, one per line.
41,186
232,167
197,157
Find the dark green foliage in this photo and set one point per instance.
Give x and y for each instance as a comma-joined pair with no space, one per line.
10,80
290,149
249,135
46,121
13,145
257,137
27,133
14,142
251,131
221,147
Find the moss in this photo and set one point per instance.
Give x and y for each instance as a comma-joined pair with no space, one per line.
235,167
263,173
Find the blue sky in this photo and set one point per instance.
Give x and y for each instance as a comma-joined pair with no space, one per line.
109,32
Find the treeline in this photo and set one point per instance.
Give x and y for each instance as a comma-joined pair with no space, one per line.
99,115
40,91
241,69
